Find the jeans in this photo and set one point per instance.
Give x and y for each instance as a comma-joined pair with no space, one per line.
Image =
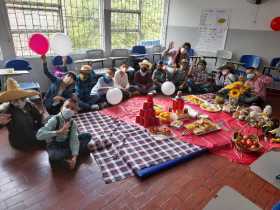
86,102
198,88
142,89
59,151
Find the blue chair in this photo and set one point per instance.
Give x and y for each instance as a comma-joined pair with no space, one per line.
276,206
273,67
57,61
248,61
138,52
19,64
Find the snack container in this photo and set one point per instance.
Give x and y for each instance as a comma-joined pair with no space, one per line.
142,112
138,119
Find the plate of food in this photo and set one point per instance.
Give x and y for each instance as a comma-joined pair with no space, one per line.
202,126
194,100
246,143
160,133
210,107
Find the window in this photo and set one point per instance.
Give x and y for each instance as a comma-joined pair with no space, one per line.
79,19
30,16
134,21
82,22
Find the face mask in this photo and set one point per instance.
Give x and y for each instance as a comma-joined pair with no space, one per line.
67,113
224,73
200,67
19,103
143,73
250,76
83,76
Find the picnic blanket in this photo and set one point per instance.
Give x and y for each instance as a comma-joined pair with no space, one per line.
132,148
218,143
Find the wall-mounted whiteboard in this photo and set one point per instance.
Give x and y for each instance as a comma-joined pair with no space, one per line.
213,29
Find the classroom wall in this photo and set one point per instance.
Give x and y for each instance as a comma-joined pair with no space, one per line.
249,31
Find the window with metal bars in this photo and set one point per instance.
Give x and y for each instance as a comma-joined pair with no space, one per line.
79,19
133,21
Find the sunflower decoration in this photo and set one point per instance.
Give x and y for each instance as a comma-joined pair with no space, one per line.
234,93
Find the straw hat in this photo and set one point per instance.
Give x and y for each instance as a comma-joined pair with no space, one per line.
146,62
13,92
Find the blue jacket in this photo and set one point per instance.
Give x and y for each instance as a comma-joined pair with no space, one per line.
54,87
83,87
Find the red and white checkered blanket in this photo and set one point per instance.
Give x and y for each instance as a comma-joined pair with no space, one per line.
132,146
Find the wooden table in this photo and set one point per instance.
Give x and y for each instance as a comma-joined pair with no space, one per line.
6,73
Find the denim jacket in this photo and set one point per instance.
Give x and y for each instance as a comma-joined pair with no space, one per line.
54,87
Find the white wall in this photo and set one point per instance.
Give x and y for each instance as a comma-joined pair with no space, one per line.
249,31
244,15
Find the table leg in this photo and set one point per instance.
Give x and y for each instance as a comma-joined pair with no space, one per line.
3,82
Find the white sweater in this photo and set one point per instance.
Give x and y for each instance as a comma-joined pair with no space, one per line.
121,80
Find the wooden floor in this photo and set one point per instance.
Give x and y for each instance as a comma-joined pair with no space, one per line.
27,182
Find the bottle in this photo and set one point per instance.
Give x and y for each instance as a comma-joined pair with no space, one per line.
180,102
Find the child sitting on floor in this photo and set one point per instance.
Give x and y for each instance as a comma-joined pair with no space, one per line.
224,77
179,77
258,84
103,84
121,80
64,143
85,82
59,90
198,78
160,75
143,82
20,116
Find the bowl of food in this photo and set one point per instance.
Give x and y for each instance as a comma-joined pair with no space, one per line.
246,143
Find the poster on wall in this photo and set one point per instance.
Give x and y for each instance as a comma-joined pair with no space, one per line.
215,17
213,29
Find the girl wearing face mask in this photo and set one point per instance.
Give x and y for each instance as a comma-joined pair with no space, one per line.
103,84
198,78
59,90
64,143
22,118
224,77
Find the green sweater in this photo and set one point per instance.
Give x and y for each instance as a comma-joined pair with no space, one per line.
48,133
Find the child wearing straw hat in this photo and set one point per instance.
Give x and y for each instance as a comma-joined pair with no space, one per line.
143,82
20,116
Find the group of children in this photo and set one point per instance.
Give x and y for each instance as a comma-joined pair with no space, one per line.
87,91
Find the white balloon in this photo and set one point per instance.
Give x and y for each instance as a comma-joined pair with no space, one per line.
61,44
114,96
168,88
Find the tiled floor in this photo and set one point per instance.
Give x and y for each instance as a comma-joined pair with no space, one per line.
27,182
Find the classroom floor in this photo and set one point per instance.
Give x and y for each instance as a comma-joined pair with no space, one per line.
27,182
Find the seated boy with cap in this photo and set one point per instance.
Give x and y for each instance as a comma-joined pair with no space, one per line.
86,80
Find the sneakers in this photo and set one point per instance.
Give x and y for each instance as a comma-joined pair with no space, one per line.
103,105
95,107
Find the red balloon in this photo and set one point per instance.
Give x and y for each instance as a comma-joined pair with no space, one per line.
275,24
39,44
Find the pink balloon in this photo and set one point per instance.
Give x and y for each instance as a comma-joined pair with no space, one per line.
39,44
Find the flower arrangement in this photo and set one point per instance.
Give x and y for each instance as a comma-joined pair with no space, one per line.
234,90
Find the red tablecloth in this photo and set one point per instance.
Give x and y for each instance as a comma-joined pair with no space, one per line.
218,142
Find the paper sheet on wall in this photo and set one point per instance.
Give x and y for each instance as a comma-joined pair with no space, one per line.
215,17
211,39
213,30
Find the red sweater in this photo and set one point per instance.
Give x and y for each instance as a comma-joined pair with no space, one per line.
143,80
